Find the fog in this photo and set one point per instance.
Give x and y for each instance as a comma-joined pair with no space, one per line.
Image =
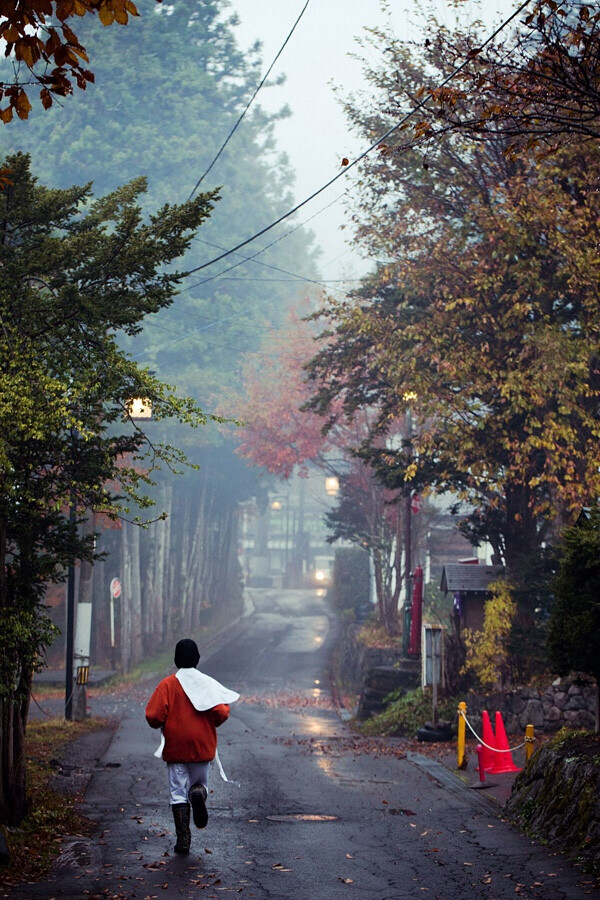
322,64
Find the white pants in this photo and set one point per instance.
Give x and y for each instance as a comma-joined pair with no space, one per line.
181,778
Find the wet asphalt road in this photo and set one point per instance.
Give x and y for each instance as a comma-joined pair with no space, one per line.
318,814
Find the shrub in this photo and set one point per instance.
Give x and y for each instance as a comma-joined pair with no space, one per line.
487,650
407,713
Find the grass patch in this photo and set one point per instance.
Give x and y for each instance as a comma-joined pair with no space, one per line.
406,714
36,841
152,665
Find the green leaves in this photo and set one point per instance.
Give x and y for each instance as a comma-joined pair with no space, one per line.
75,273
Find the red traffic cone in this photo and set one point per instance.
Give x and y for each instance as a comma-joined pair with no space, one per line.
503,757
487,752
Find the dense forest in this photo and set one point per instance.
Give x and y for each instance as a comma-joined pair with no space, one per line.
168,90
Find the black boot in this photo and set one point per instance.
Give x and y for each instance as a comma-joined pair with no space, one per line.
181,817
198,797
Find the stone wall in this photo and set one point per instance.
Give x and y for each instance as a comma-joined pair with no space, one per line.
557,796
566,702
355,660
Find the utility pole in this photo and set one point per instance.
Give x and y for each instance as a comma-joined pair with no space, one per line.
70,625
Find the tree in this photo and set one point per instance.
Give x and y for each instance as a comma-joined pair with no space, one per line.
484,310
186,56
574,626
487,650
535,84
76,273
281,436
40,41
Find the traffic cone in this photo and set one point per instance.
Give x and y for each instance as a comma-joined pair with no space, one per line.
482,783
487,755
502,761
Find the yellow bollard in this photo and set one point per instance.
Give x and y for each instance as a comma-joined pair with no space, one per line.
462,728
529,742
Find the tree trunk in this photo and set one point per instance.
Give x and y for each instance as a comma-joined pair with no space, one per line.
13,789
125,603
135,588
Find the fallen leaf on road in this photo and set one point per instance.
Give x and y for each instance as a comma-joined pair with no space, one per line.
349,856
346,880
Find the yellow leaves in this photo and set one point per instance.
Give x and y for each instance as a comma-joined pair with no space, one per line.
487,650
410,472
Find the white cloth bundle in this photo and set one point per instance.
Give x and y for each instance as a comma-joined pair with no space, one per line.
203,692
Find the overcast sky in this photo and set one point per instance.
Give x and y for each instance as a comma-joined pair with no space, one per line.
318,57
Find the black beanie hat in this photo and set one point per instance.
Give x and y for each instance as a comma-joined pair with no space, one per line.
187,655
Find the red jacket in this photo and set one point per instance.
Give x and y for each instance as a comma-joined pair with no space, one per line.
190,736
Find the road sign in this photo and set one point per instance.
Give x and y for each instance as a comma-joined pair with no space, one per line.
115,589
415,503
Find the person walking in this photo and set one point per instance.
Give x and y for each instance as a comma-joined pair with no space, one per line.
188,706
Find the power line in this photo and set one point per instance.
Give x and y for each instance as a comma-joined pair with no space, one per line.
365,153
245,259
248,105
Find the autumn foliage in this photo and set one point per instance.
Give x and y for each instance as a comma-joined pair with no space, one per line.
42,43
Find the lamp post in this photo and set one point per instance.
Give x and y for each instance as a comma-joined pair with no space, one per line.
408,396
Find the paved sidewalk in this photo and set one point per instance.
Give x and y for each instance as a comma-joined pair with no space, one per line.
497,787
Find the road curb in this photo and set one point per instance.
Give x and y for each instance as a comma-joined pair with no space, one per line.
454,785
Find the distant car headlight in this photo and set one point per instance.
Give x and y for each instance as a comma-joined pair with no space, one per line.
319,575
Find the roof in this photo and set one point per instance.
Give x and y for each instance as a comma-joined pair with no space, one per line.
465,578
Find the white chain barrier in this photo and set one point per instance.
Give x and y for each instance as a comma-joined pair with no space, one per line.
494,749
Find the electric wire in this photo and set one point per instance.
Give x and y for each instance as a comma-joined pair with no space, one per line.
249,104
194,335
366,152
264,249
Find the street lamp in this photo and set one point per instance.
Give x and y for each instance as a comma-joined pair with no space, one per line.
139,408
332,485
